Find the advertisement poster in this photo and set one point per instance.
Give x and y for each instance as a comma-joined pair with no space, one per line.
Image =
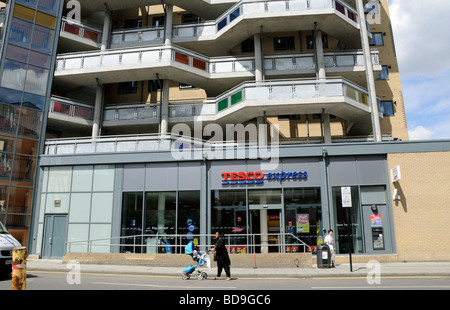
302,223
375,220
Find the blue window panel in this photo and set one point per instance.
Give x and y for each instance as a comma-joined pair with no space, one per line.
235,14
20,31
32,101
49,6
222,24
10,96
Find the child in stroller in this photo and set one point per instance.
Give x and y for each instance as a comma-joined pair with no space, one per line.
200,258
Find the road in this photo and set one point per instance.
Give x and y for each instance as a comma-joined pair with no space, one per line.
45,280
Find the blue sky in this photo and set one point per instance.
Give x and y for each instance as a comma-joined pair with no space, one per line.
422,37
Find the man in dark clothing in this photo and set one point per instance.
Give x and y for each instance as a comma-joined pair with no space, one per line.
221,256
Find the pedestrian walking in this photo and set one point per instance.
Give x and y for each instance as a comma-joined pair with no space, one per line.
221,256
329,240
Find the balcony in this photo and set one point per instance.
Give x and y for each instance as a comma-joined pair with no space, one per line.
216,75
337,96
335,17
79,37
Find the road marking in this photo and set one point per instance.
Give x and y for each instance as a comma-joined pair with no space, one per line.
165,286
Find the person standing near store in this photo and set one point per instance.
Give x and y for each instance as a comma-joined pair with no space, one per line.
329,240
221,256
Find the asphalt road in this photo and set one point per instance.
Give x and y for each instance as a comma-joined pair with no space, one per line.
44,280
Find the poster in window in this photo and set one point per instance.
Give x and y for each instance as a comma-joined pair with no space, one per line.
302,223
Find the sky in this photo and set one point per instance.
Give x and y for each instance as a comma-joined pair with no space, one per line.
422,38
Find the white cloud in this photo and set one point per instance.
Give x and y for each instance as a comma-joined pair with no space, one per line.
422,39
421,35
420,133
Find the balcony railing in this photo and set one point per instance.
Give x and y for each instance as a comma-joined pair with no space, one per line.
270,91
243,9
181,56
80,30
71,108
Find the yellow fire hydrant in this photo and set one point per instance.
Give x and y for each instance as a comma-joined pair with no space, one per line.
19,269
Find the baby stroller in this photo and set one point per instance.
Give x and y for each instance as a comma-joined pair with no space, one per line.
200,258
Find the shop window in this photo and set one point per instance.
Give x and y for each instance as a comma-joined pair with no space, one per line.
228,214
303,218
132,208
188,217
341,222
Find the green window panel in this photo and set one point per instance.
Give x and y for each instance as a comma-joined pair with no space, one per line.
222,105
236,98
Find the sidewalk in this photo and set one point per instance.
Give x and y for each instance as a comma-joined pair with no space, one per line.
341,270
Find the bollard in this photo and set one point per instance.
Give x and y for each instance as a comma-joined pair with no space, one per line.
19,269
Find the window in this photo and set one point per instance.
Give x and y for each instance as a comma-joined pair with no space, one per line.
248,46
384,74
387,108
158,21
190,18
283,44
153,85
288,117
186,86
132,23
127,88
310,42
377,39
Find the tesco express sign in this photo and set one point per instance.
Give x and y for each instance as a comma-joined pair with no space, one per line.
258,177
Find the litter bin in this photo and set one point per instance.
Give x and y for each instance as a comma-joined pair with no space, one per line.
323,256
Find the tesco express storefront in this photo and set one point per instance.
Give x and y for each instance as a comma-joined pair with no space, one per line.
150,203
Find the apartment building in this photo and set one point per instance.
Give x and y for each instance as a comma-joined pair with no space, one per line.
153,123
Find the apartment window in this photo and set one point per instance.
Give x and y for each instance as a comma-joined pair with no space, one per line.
384,74
387,107
310,42
288,117
248,46
153,85
190,19
377,39
283,44
127,88
158,21
132,23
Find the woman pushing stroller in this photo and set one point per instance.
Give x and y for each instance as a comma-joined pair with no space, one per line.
221,256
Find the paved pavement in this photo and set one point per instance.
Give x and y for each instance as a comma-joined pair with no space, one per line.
341,270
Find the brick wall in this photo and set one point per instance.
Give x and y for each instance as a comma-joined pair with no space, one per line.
422,216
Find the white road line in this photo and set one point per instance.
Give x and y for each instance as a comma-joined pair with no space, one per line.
165,286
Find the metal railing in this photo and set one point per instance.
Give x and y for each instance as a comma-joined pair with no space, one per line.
175,244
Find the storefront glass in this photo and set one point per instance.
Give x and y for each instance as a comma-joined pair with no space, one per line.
341,231
303,217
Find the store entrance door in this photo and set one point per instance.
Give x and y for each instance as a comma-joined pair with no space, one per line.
266,226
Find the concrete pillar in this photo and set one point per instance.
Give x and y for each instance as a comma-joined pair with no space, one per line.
264,231
161,213
258,58
262,131
326,128
164,122
106,29
169,24
320,56
97,110
373,103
